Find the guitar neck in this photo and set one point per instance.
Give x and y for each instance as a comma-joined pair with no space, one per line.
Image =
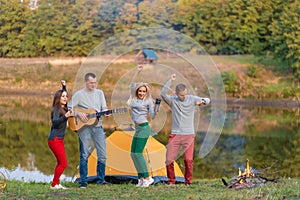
107,112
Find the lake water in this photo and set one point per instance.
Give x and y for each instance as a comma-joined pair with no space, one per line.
268,136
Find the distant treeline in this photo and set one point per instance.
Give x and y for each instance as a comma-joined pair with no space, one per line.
74,27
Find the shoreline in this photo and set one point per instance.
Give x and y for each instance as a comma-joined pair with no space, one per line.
267,103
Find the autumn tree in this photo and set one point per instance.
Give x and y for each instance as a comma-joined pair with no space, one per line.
13,14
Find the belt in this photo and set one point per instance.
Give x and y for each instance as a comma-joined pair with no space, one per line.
142,124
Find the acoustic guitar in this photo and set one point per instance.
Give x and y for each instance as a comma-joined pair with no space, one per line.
75,123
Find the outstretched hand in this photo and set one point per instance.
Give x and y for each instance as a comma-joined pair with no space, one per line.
140,67
69,113
63,82
199,103
83,116
107,115
173,77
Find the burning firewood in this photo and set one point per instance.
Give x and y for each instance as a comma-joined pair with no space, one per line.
247,179
2,181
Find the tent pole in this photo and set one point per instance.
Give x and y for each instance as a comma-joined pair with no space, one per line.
149,162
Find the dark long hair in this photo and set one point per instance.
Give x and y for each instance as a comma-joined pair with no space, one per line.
56,105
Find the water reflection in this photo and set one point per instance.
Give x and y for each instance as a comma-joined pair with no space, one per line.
268,137
33,175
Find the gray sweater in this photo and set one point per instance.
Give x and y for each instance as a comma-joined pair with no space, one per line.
141,108
85,99
182,111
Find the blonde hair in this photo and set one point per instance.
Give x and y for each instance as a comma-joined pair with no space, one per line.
133,96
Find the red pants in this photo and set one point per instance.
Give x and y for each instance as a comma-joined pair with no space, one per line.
174,143
58,148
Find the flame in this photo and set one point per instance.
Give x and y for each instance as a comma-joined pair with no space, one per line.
2,183
247,173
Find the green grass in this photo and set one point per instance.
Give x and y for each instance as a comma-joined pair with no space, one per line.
274,64
268,62
281,90
200,189
234,59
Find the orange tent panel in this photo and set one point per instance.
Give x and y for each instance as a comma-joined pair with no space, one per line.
119,162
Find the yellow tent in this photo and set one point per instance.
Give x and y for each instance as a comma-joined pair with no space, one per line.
119,165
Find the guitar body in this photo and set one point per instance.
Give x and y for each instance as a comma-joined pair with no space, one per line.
75,123
72,123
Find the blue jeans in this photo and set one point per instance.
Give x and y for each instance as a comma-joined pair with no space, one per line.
98,136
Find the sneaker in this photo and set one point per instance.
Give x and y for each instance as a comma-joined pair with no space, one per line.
58,187
147,182
140,183
62,187
103,183
55,187
83,185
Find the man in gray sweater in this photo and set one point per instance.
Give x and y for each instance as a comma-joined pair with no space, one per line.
86,98
183,133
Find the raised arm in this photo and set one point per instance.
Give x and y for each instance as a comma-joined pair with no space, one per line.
138,71
134,78
63,85
164,90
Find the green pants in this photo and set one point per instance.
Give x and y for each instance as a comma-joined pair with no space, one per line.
139,141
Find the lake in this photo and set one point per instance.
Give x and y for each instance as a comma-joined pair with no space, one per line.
268,136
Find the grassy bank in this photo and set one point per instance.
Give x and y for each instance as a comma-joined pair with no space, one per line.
200,189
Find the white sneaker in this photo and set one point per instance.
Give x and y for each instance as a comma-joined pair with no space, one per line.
58,187
148,182
62,187
140,183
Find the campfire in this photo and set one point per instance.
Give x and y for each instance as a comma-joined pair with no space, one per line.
2,181
247,179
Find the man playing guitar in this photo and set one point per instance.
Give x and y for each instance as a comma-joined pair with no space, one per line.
90,97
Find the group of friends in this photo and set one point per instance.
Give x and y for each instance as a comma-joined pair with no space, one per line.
142,106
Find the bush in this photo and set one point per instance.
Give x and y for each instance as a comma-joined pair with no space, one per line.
252,71
230,80
18,79
288,92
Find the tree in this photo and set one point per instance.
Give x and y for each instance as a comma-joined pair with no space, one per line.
77,37
105,21
284,40
221,26
45,28
158,13
13,14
